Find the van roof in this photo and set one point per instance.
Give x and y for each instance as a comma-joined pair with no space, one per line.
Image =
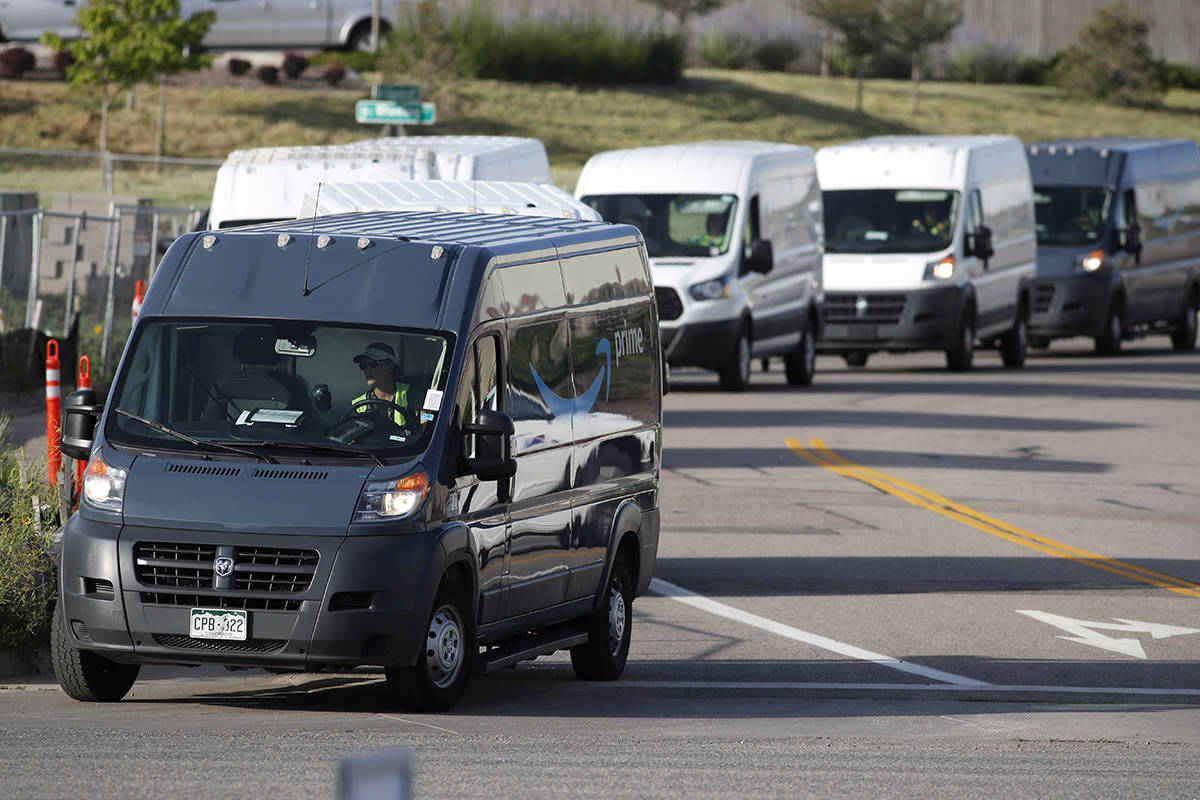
403,276
698,167
918,161
1102,161
385,148
477,197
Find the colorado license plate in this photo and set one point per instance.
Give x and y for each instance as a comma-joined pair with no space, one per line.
218,623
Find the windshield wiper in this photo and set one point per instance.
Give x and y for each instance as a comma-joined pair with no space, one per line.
158,426
318,447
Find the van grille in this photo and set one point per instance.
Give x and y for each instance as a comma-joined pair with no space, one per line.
219,601
170,566
289,474
669,306
877,309
249,646
1043,297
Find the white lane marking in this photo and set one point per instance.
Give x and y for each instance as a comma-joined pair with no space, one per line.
690,598
422,724
1086,633
901,687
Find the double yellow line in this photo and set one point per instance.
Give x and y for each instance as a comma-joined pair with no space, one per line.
822,456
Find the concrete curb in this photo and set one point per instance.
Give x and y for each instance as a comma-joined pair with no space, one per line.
14,663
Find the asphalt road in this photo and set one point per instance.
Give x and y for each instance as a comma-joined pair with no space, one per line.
900,582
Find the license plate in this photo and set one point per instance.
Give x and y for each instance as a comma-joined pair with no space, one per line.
218,623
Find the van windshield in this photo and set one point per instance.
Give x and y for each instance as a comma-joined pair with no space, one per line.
889,220
696,225
1070,215
278,389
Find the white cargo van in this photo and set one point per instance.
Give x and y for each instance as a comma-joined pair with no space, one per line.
475,197
929,245
267,184
733,233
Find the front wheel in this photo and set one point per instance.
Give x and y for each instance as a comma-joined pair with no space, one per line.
1183,338
801,364
1014,344
960,355
603,656
1108,343
439,678
735,375
84,675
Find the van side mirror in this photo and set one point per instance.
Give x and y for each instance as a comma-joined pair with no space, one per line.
1130,239
80,413
979,243
760,258
493,459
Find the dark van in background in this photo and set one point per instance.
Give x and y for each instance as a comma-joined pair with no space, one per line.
250,500
1118,230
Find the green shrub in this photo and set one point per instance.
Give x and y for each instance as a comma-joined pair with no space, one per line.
887,63
983,64
27,569
1181,76
1034,71
1111,61
727,49
778,53
356,60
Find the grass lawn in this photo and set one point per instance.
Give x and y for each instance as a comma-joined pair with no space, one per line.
574,122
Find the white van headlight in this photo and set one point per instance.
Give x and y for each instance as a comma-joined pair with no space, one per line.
382,500
711,290
104,486
940,270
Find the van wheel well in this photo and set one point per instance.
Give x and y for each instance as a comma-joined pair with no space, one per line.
359,39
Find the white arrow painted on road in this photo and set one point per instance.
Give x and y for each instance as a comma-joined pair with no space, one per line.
1087,632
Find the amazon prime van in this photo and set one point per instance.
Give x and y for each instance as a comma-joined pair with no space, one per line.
267,184
1118,227
929,245
733,232
426,442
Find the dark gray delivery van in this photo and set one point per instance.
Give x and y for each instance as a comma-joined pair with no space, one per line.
426,442
1118,230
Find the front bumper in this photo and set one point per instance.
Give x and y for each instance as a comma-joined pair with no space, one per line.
700,344
312,601
1069,306
924,319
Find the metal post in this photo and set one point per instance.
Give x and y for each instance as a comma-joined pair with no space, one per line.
3,245
110,299
153,246
71,279
108,172
34,268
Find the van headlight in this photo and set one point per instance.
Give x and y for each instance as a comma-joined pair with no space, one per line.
940,270
103,485
385,500
711,290
1092,261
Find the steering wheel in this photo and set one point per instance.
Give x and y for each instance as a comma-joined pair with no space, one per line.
375,401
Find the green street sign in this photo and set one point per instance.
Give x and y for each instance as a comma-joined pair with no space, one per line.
389,112
406,94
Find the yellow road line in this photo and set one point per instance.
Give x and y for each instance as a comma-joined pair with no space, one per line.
822,456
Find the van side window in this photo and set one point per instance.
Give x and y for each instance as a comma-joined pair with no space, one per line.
480,380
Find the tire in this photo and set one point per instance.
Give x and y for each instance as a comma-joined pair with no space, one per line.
359,40
801,364
1183,338
1108,343
603,656
735,375
960,355
856,359
439,678
1014,344
84,675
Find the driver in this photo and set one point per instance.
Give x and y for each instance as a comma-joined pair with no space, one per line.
378,364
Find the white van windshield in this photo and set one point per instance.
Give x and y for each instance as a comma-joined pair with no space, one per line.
1070,215
696,225
889,220
278,389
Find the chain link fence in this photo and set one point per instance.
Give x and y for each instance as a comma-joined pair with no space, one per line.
69,269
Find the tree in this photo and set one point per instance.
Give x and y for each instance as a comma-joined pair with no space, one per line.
916,25
129,42
1111,61
862,28
685,9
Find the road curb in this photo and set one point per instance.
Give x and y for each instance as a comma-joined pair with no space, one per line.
14,663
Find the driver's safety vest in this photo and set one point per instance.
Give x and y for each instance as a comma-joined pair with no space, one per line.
401,400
